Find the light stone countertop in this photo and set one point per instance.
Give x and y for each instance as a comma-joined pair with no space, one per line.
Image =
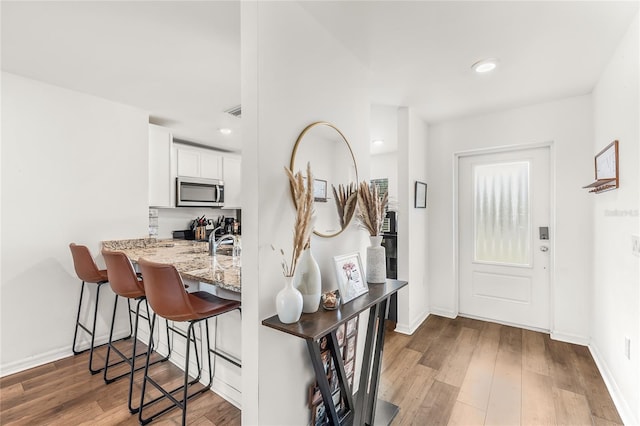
190,258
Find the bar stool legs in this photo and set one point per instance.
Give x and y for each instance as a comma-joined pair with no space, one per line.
131,361
91,332
182,403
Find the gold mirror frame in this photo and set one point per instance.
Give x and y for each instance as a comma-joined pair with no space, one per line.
292,163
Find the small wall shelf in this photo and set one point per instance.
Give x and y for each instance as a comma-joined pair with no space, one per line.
606,168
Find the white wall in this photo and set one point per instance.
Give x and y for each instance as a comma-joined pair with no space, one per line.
413,304
567,123
63,157
616,272
294,72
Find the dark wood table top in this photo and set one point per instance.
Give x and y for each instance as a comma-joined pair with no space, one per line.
314,326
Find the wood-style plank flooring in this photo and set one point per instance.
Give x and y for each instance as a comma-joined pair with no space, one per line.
469,372
65,393
450,372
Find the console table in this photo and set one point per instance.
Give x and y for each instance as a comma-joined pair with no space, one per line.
366,408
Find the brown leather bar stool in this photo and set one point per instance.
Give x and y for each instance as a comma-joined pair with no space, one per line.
126,283
168,299
88,272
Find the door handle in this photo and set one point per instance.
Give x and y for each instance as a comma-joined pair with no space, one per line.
544,249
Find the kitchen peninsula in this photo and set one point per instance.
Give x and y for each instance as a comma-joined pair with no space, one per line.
219,275
190,258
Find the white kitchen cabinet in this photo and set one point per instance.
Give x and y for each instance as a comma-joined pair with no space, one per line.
232,182
211,166
161,175
199,163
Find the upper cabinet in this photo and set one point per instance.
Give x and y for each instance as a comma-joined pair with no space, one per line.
168,161
232,182
200,163
161,169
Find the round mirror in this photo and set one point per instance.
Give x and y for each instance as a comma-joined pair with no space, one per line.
334,168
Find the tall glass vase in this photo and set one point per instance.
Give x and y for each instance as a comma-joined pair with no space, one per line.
289,302
308,281
376,261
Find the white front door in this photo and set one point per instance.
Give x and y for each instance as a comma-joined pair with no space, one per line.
503,201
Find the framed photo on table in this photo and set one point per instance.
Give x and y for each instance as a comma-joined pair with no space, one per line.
350,276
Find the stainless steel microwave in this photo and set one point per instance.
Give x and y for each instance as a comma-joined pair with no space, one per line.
199,192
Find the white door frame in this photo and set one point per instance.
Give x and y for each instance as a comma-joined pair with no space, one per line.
552,225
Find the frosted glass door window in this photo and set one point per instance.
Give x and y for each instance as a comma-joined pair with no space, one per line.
502,213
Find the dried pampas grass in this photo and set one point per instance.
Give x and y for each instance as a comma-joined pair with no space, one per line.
303,226
372,209
346,197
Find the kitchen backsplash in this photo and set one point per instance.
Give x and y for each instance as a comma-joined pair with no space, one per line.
163,222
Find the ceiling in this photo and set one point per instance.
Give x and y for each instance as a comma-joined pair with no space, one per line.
180,60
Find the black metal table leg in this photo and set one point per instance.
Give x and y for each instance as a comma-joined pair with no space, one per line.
377,363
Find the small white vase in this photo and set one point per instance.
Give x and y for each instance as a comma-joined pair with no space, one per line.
308,281
376,262
289,302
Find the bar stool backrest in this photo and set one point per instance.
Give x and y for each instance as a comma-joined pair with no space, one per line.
85,267
165,291
122,276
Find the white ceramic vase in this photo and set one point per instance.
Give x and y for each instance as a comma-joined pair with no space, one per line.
289,302
308,281
376,262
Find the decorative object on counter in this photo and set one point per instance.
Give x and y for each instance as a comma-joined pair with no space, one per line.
346,197
289,300
201,233
372,210
331,300
349,274
420,201
308,281
606,165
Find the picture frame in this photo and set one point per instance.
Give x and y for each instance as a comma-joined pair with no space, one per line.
320,190
349,367
326,361
340,334
350,276
319,414
420,201
315,396
352,326
351,348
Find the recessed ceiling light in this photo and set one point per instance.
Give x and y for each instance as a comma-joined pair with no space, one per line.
225,131
485,65
378,142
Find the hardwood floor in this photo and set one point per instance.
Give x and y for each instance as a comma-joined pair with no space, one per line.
450,372
469,372
65,393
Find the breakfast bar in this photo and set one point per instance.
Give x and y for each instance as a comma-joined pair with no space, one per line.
219,275
190,258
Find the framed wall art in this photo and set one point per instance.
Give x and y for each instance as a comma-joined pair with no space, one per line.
420,195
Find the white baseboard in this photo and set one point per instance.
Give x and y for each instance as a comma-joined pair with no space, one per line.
570,338
50,356
448,313
404,329
625,411
34,361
